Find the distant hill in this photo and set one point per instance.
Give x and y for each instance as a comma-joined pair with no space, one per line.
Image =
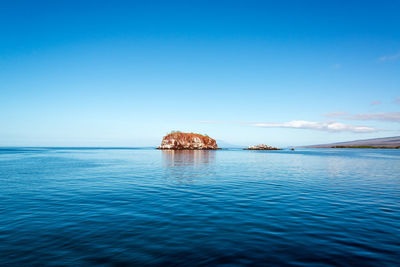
223,144
386,142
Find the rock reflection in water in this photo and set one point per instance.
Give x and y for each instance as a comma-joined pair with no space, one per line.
188,164
187,157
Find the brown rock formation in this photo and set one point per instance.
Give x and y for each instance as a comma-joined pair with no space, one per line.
191,141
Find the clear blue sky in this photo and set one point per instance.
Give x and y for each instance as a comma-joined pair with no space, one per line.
124,73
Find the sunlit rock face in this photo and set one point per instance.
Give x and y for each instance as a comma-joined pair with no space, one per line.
262,147
191,141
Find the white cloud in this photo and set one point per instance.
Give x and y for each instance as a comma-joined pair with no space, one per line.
389,57
321,126
397,100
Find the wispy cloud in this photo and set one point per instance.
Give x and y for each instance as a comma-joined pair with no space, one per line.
389,57
211,122
383,116
376,102
336,66
335,114
397,100
320,126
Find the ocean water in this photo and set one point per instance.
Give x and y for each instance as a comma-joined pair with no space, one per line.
124,207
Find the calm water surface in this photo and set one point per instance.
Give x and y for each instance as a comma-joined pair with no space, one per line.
113,207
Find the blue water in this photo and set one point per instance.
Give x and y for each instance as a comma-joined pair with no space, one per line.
117,207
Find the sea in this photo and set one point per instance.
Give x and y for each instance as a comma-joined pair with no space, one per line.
230,207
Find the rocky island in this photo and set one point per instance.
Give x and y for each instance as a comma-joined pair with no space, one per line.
187,141
262,147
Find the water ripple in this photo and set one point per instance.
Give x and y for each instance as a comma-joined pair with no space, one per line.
148,207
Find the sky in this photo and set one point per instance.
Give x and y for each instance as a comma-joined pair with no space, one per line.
125,73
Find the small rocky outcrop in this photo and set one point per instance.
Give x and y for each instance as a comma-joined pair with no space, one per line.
262,147
189,141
